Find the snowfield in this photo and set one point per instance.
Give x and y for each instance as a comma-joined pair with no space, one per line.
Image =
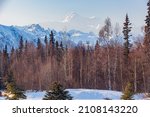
84,94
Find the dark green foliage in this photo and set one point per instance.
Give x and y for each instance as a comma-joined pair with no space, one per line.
147,45
21,46
61,45
126,30
12,91
46,40
39,44
57,92
147,34
57,45
129,92
26,46
147,28
52,40
5,58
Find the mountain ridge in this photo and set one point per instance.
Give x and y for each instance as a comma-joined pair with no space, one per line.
10,35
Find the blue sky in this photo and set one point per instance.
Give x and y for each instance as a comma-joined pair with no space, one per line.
23,12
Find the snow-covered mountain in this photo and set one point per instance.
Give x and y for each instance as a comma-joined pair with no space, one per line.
10,35
75,21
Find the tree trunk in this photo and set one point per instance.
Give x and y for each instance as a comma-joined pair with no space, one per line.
135,75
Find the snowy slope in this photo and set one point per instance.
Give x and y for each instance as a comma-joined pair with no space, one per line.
84,94
10,35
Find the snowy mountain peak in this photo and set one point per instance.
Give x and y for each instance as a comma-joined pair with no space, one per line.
71,17
10,36
34,27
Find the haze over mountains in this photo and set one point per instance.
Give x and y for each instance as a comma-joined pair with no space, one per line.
71,30
75,21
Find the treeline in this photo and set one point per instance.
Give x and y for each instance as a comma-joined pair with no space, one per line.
101,67
108,65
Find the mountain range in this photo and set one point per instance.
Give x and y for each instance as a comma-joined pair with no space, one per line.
10,35
72,30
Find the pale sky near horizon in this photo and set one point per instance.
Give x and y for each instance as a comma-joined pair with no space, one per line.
23,12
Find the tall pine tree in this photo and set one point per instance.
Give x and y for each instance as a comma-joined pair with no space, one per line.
126,31
21,46
127,46
147,44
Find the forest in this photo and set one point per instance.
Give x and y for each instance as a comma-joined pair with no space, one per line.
108,65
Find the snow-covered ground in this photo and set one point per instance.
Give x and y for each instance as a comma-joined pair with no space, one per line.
84,94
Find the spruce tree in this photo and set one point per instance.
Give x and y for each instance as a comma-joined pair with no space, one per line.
5,62
61,45
13,92
129,92
39,44
51,49
46,40
126,30
128,72
57,92
1,68
147,34
21,46
147,43
147,28
52,40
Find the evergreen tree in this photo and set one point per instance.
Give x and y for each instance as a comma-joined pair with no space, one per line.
12,55
39,44
21,46
147,44
147,34
57,92
26,47
5,62
128,72
129,92
61,45
147,27
51,44
126,30
57,45
52,40
1,83
13,92
46,40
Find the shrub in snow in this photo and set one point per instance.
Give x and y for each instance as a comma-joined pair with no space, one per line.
128,93
13,93
57,92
